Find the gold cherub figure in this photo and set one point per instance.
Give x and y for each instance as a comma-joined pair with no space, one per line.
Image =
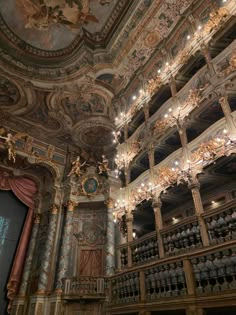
76,167
10,141
103,166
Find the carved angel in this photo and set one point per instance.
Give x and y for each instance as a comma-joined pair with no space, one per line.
10,141
76,167
103,166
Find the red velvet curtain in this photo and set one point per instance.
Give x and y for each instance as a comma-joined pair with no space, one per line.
90,262
25,190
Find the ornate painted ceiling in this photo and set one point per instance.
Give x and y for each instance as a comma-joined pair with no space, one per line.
55,24
67,66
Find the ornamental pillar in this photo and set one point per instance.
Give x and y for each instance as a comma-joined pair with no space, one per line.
158,224
207,56
190,280
129,222
195,189
126,132
65,247
29,257
146,112
151,157
173,87
110,245
183,135
46,259
227,113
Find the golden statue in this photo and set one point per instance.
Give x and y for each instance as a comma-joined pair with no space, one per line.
76,167
103,166
10,141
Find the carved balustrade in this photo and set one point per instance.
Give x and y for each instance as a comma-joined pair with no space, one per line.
215,272
221,223
145,249
182,237
123,257
165,281
205,271
125,288
84,286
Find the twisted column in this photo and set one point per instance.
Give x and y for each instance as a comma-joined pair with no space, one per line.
45,263
29,257
110,245
65,247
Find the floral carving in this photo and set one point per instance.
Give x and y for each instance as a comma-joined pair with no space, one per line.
167,176
193,99
232,64
160,126
216,19
153,85
209,151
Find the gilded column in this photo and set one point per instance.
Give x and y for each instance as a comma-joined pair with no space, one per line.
29,257
158,224
45,263
110,245
65,247
199,211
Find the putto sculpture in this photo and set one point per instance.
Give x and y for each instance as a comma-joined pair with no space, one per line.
10,141
103,166
76,167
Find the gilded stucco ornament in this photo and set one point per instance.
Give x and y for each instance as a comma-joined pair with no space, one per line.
10,141
232,65
76,167
103,168
110,202
216,19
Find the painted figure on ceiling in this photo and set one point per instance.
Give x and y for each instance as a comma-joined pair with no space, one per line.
40,14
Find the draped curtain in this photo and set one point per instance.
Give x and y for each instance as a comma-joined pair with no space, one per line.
25,190
90,262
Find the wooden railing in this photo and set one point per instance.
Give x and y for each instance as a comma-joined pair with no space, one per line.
183,237
207,271
84,287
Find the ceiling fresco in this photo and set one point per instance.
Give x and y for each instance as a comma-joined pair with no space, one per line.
54,24
76,107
